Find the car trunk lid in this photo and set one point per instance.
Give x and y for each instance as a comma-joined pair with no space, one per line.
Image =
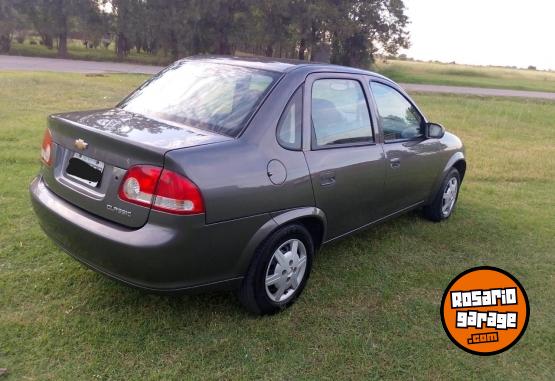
94,149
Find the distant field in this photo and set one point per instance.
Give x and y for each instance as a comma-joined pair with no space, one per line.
465,75
370,309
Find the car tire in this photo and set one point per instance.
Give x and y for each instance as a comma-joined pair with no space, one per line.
279,271
445,200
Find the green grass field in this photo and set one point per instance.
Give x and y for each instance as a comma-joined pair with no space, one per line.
465,75
371,308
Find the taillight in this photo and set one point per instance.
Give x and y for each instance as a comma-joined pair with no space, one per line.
46,148
161,189
176,194
139,184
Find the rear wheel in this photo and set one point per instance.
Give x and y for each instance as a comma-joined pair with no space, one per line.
279,271
445,200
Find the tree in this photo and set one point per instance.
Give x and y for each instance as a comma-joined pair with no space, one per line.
8,23
347,32
272,20
93,27
129,20
360,28
55,18
311,21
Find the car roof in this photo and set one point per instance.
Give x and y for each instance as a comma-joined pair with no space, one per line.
281,65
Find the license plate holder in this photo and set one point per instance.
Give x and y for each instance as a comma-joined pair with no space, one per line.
85,169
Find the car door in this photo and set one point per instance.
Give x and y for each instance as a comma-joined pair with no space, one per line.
411,168
347,166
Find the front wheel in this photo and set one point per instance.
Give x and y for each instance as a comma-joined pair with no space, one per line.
279,271
445,200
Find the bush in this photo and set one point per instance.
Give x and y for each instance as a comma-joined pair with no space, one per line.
531,67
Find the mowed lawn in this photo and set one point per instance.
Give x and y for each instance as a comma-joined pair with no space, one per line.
467,75
371,308
76,50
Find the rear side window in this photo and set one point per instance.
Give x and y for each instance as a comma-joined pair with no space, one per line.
289,126
398,117
340,113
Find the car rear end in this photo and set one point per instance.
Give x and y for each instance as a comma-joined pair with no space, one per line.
110,203
104,196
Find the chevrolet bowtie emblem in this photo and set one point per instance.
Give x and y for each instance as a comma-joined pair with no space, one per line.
80,144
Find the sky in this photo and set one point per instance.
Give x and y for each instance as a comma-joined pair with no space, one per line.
483,32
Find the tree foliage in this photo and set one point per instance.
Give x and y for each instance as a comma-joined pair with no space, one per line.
9,21
55,19
343,31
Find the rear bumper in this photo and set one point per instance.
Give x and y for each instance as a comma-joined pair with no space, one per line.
168,254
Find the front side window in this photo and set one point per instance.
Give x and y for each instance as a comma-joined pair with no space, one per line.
398,117
340,113
289,126
214,97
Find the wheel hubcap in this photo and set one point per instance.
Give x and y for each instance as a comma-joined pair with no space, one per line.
286,270
449,196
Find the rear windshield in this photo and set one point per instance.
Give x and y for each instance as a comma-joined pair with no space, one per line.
214,97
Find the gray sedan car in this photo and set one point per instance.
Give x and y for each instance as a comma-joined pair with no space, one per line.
228,173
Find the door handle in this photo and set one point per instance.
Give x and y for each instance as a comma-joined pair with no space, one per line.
395,163
327,178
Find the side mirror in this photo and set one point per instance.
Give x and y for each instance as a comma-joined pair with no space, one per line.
434,131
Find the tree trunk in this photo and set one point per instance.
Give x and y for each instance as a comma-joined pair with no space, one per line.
302,49
269,50
174,48
47,40
5,43
223,45
62,36
62,44
121,45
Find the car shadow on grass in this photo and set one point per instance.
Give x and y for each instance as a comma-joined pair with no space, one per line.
105,293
